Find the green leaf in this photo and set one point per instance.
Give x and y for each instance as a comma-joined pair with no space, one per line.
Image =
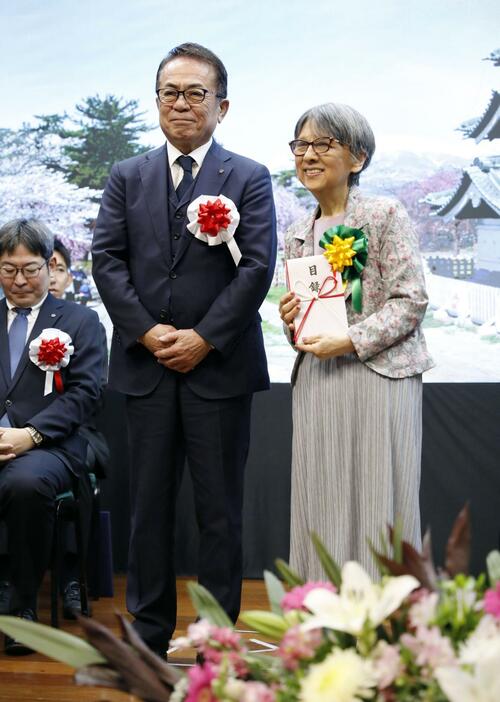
263,666
331,568
291,578
397,539
384,547
54,643
379,557
266,623
207,606
493,566
275,591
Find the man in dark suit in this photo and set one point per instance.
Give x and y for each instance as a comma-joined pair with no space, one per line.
40,447
187,348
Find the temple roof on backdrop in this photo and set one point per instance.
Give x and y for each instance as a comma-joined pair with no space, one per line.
487,126
477,195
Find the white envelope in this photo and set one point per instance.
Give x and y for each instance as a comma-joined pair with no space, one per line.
321,291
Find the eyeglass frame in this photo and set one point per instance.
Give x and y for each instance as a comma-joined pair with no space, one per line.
311,143
21,269
183,93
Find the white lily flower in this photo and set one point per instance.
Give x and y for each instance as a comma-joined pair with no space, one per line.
480,685
358,601
484,641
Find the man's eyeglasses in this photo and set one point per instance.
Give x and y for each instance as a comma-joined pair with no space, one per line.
193,96
31,270
320,146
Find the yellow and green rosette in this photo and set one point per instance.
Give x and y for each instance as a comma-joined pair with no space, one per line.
346,250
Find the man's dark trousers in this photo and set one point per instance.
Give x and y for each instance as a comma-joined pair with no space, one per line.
28,487
217,470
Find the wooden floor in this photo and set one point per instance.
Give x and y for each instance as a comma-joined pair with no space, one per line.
36,678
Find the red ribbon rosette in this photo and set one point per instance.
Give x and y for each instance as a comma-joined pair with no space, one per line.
213,219
213,216
51,351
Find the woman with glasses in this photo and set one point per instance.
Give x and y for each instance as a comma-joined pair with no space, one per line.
357,397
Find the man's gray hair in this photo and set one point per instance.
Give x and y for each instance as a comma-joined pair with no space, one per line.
30,233
345,124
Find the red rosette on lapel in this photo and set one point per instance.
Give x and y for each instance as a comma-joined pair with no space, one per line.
214,219
51,351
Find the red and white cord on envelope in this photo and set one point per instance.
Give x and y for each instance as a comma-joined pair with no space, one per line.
312,297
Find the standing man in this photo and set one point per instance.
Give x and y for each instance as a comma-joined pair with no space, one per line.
187,348
40,447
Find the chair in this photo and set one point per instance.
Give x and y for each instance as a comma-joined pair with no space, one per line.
68,509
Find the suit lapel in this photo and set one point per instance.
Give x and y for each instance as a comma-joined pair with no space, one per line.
153,174
4,344
48,315
210,180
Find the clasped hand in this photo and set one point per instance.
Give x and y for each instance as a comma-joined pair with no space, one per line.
178,349
14,442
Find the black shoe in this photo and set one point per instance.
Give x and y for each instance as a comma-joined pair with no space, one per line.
4,597
16,648
161,653
72,601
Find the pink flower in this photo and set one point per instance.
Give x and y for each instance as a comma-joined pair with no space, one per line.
199,632
298,645
214,656
492,601
295,598
387,663
226,637
224,643
200,684
423,610
248,691
257,692
430,649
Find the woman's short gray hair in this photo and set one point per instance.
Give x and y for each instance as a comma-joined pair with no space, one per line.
30,233
345,124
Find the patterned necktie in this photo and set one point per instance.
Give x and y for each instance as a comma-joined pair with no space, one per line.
17,336
186,163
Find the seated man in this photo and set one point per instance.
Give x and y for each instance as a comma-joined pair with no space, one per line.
40,448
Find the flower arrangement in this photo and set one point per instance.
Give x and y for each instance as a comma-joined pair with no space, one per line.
418,635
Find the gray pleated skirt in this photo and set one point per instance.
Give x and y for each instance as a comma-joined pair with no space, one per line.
357,439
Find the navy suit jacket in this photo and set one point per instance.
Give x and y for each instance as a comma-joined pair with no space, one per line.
56,416
141,284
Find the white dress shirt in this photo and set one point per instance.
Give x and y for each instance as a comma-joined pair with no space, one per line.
31,317
198,155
